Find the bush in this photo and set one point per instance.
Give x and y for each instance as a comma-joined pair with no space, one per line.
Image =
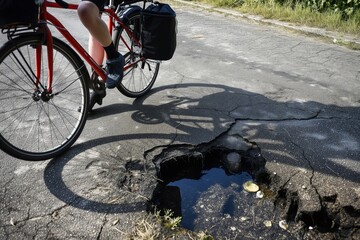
346,7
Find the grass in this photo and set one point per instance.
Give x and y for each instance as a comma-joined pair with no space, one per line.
297,14
162,227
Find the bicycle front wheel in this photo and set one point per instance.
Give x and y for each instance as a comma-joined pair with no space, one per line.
36,124
140,77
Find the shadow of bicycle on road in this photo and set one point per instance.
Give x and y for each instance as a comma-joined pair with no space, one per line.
292,133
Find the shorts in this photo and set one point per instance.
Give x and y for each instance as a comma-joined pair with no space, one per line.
101,3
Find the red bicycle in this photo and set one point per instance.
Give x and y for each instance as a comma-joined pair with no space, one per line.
44,84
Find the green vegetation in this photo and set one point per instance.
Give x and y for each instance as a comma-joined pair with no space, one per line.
155,226
169,221
335,15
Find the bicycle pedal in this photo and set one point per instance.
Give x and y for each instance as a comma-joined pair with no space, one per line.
95,82
99,101
101,93
95,98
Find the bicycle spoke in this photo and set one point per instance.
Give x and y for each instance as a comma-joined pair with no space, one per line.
34,123
68,85
14,82
23,68
141,74
11,116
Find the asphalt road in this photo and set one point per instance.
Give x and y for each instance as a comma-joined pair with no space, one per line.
297,97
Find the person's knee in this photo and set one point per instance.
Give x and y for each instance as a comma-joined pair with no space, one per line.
87,12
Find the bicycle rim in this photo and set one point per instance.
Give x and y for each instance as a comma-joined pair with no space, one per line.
140,77
33,126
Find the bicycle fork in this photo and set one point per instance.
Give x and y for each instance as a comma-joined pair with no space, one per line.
46,93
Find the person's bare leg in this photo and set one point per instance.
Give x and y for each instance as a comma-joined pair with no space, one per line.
89,15
96,51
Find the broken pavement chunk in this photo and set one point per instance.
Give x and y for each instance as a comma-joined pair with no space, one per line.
259,194
233,162
283,224
267,223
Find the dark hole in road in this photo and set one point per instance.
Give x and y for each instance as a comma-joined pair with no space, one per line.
193,184
204,186
181,196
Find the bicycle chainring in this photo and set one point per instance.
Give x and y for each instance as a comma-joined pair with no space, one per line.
97,85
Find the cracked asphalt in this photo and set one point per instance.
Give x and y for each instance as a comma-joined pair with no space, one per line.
295,96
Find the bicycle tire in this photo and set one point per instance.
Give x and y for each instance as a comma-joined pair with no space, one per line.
35,126
139,79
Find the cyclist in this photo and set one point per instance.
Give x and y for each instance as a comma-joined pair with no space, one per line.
89,12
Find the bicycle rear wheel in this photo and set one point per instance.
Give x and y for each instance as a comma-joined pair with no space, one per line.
138,79
35,125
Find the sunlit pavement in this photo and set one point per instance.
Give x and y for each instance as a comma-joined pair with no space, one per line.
296,97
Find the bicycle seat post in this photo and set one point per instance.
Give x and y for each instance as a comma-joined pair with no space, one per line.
111,4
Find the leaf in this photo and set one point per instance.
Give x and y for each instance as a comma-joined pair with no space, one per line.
115,222
283,224
250,186
12,221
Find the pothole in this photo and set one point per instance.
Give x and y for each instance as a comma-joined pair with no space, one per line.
194,193
204,185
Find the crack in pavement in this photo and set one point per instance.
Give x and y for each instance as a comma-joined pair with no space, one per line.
98,237
52,214
309,164
279,120
288,180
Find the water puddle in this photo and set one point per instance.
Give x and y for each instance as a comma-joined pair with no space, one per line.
197,196
204,186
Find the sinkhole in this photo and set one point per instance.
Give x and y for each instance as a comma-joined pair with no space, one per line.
191,198
204,185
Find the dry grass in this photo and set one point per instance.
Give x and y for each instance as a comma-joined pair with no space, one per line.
296,14
157,227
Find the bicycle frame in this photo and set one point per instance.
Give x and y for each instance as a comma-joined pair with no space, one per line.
45,17
43,114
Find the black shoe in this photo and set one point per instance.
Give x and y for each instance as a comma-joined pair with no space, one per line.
115,71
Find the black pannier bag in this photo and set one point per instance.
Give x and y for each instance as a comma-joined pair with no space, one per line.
159,28
18,12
